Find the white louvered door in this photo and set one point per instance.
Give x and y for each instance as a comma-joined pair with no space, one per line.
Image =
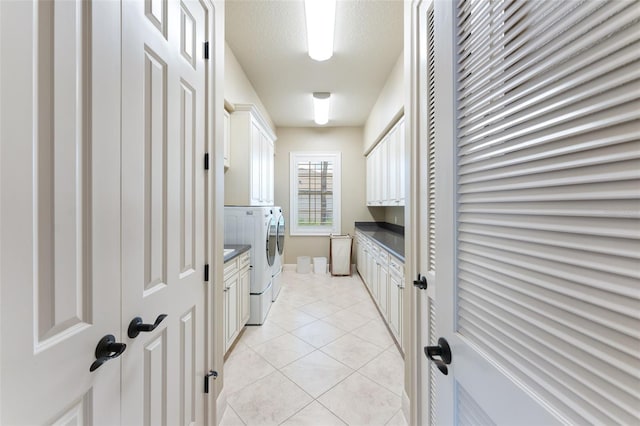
539,186
427,132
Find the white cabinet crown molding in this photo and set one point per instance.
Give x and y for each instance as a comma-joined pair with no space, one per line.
251,108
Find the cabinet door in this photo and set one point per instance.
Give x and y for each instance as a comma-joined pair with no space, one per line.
269,170
231,309
369,179
255,168
395,310
393,171
401,164
383,287
243,297
383,171
227,139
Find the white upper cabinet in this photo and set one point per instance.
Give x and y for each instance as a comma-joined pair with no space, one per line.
385,169
227,139
250,180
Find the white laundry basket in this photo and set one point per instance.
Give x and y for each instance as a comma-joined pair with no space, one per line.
340,254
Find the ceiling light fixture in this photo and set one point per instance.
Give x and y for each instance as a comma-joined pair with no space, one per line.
321,21
321,107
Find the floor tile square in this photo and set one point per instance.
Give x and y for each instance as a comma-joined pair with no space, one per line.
352,351
360,401
346,320
319,309
283,350
256,334
291,319
318,333
375,332
387,369
230,418
397,420
243,369
316,373
269,401
365,308
314,414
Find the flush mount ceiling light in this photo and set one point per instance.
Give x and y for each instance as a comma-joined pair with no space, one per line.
321,20
321,107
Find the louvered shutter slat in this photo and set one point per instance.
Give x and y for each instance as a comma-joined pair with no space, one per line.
548,211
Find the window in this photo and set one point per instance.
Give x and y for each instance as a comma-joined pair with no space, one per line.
315,193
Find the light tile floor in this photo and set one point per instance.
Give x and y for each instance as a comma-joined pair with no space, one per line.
324,357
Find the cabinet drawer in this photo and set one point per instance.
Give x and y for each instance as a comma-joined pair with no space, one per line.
243,260
230,268
396,267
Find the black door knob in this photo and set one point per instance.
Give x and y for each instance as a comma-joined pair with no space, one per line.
443,351
136,326
106,350
421,282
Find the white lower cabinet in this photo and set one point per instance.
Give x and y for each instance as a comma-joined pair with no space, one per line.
236,297
396,286
383,274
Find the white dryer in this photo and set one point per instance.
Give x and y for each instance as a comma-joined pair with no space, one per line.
252,225
278,232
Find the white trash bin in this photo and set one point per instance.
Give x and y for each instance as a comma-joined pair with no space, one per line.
303,265
320,265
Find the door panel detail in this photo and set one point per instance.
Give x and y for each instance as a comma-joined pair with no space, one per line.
156,11
187,35
155,134
63,155
187,363
155,381
77,415
187,187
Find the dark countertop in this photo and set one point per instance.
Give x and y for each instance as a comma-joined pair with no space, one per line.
391,237
238,249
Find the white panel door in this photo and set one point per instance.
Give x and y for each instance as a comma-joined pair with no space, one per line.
163,146
59,185
538,201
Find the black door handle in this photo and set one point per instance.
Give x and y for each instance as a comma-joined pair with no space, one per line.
443,351
106,350
421,282
136,326
211,373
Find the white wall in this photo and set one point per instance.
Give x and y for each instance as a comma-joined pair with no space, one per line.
347,140
388,106
237,87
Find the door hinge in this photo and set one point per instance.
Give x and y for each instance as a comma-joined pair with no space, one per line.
211,373
206,161
206,50
206,272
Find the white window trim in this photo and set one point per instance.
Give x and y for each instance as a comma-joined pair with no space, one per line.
295,157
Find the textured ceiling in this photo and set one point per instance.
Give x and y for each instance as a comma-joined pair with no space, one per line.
268,37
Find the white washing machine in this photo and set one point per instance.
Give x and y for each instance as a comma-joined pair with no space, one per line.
278,232
252,225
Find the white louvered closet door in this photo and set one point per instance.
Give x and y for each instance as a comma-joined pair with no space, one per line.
543,314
